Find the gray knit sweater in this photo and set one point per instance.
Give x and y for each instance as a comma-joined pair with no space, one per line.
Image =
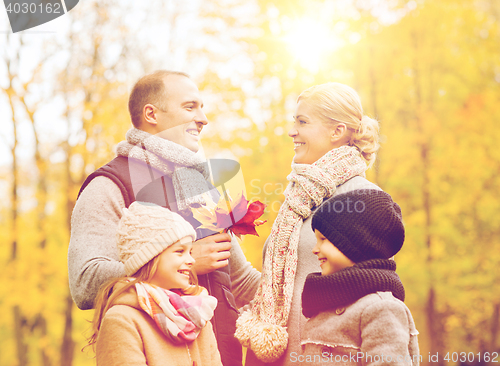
307,262
93,255
378,329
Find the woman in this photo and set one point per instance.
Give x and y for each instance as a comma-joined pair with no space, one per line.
334,144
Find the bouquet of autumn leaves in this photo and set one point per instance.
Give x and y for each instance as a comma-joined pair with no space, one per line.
238,216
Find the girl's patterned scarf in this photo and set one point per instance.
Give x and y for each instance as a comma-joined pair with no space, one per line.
345,287
180,318
263,328
188,170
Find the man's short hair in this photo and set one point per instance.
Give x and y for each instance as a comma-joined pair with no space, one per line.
150,89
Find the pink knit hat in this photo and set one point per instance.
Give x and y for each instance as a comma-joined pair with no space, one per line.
146,230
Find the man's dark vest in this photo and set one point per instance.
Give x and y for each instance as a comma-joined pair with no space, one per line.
217,283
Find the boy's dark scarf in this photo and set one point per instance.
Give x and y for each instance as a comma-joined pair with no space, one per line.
349,285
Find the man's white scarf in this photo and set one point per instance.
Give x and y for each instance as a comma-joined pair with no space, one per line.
188,170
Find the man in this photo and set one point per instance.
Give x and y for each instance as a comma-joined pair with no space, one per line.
157,163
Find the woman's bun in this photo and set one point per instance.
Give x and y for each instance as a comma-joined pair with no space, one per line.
367,139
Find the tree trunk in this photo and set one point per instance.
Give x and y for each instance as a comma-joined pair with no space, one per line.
19,319
495,325
14,198
42,201
435,330
433,318
68,345
19,326
374,101
41,324
41,195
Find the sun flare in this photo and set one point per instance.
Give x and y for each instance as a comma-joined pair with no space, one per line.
309,40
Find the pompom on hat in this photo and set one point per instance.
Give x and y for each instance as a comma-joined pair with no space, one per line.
362,224
146,230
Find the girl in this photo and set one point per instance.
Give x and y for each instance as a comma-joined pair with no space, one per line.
158,315
356,303
334,143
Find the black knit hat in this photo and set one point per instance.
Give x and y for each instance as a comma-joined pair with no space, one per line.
362,224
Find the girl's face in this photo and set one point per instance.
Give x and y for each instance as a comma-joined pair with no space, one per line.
311,137
331,259
174,267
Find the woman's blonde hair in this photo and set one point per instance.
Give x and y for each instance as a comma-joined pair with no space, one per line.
338,103
106,295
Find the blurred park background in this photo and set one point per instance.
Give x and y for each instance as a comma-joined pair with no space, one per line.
429,70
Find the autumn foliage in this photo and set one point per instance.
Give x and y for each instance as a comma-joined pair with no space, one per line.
429,71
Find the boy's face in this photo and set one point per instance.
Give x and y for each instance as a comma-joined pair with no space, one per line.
331,259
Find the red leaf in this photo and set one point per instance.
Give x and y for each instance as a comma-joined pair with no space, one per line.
247,223
241,209
243,229
242,212
255,210
223,220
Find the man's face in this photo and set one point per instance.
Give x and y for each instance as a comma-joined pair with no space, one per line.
184,119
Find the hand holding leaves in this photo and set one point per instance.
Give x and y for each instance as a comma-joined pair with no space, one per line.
236,216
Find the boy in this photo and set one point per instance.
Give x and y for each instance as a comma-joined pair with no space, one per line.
355,305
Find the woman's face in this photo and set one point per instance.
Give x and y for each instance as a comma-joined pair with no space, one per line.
311,137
